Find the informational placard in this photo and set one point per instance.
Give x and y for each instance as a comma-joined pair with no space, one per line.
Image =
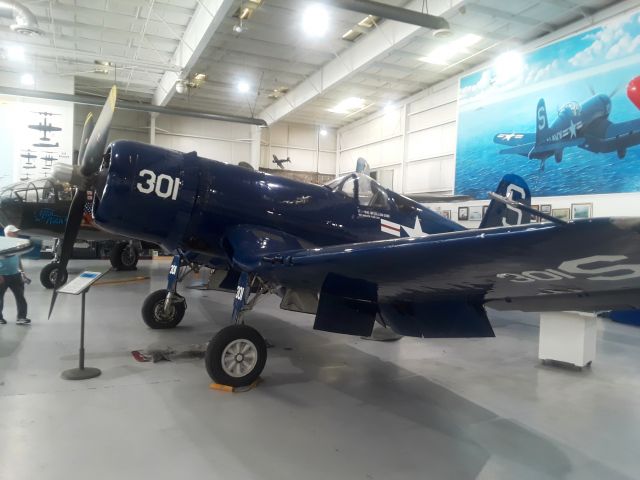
81,283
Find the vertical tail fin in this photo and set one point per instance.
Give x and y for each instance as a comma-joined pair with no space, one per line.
542,123
498,214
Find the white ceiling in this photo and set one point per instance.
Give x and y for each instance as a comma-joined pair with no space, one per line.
141,37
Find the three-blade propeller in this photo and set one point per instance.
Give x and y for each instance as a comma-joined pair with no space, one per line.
92,146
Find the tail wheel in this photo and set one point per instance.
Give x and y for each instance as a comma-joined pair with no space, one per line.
124,256
236,356
154,314
50,273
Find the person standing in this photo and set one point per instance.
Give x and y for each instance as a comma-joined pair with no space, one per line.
11,277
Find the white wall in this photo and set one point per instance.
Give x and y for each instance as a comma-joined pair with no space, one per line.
418,140
308,150
223,141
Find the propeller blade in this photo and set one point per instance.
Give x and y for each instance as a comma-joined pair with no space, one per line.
92,158
615,90
74,219
89,123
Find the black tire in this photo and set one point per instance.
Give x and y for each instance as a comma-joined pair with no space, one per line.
153,311
49,273
124,257
233,336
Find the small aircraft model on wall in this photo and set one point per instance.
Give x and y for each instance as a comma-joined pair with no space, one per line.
45,127
350,252
585,125
280,161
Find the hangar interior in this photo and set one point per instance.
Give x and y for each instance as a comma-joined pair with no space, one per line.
303,92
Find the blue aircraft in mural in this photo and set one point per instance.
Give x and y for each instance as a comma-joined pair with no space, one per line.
350,252
585,125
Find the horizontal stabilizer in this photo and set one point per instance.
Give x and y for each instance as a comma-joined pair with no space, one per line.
514,139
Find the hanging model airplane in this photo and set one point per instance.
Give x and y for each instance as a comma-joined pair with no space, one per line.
585,125
279,162
350,252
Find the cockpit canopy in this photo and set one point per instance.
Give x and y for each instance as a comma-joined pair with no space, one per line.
569,110
37,191
361,187
369,193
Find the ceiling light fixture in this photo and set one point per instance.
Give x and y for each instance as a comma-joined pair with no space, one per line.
443,54
323,132
315,21
27,80
348,105
237,28
389,107
508,66
15,53
243,87
181,87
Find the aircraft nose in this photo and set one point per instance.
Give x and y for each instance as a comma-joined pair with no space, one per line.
10,212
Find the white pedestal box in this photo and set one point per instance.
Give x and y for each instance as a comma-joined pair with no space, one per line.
568,337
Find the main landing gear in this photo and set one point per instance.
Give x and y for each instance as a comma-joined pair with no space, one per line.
51,271
165,308
237,354
124,256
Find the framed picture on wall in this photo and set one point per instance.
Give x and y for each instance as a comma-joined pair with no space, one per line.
581,210
463,213
545,209
561,213
475,214
446,214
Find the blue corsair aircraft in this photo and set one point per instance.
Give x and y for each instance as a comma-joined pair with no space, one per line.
586,126
350,252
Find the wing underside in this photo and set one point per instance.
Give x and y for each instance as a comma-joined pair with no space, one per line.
584,265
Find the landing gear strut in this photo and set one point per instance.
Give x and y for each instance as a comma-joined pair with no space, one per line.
237,354
51,271
165,308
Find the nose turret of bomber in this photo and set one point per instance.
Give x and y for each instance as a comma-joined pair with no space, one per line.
146,192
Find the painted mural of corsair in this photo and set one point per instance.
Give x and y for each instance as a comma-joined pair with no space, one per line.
585,125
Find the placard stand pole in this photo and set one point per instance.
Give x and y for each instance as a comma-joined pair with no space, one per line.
81,373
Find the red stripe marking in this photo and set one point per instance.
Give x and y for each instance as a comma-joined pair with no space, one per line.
397,229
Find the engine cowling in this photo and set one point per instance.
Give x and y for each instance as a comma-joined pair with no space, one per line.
146,192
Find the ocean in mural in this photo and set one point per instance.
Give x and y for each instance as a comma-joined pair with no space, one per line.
560,116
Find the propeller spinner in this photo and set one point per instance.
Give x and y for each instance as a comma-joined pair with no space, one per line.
92,147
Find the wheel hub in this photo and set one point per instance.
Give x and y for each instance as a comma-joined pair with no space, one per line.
239,358
160,313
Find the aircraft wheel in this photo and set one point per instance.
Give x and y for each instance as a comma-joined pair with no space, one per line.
49,275
124,256
236,356
154,315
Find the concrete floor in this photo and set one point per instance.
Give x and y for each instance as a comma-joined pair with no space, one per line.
330,406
